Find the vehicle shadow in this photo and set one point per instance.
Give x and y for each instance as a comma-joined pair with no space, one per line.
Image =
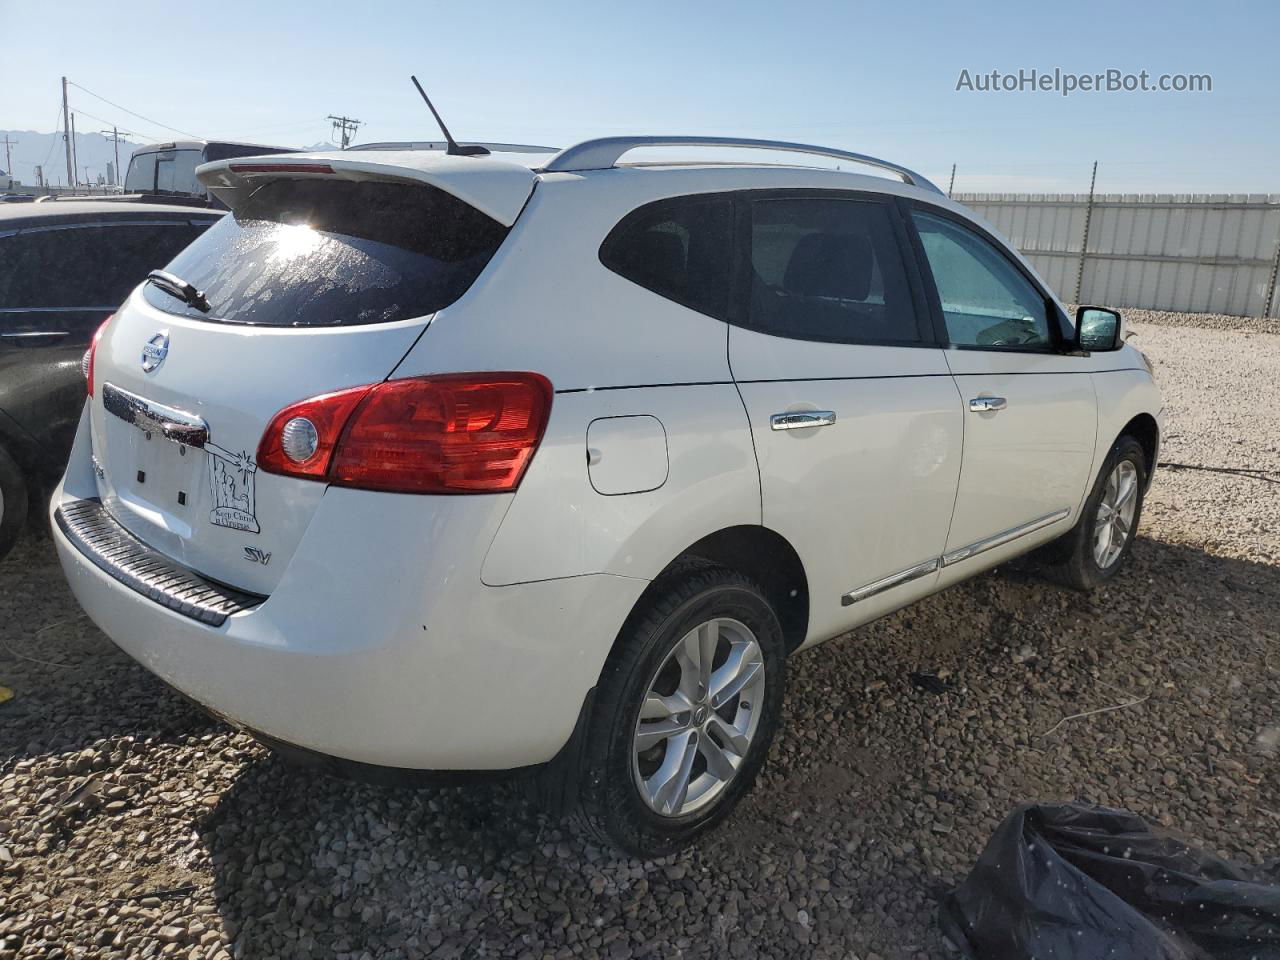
881,789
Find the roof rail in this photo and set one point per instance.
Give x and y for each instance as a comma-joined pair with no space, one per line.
603,153
441,145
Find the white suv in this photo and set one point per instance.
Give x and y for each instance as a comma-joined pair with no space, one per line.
433,462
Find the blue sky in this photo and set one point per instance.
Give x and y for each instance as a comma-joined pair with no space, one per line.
877,78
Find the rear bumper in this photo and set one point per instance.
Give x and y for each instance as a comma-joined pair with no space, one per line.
380,644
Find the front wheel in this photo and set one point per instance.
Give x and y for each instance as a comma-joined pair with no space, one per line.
1097,547
685,711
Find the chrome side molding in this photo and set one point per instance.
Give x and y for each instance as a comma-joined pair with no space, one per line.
170,422
1013,533
947,559
889,582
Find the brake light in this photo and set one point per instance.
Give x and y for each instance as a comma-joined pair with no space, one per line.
86,364
453,433
281,168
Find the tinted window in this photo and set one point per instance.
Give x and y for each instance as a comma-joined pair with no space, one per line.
829,269
986,300
93,265
680,249
335,252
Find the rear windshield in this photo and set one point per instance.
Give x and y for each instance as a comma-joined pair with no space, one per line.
335,253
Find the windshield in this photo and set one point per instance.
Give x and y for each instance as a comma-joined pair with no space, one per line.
334,253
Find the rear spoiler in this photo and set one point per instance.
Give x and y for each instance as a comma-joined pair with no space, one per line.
496,188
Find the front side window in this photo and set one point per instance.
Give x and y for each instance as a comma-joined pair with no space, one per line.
986,301
681,249
829,269
335,252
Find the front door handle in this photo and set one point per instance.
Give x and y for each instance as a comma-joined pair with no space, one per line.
800,419
987,404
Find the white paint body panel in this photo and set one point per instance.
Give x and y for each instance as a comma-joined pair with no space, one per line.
390,617
236,378
627,455
1030,459
869,495
380,644
561,526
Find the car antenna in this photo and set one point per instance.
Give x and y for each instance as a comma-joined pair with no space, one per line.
470,150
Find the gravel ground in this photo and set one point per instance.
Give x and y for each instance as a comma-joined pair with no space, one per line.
133,826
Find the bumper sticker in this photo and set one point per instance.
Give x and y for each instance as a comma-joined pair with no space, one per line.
231,480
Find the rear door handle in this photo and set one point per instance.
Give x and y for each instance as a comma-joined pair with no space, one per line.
987,404
800,419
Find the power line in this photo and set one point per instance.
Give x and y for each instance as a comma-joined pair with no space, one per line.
86,113
57,124
156,123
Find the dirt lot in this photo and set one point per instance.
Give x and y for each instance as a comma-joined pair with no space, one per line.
133,826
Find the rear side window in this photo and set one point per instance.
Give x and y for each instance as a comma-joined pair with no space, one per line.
86,265
680,249
335,253
142,173
176,172
829,269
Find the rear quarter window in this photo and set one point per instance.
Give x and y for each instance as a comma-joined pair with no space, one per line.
335,253
680,248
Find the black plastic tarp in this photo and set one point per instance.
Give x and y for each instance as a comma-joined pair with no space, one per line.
1077,882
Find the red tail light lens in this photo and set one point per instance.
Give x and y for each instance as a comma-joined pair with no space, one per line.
328,414
86,364
455,433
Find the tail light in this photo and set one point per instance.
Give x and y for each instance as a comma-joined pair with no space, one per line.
86,364
454,433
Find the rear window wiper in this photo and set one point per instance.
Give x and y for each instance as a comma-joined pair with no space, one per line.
177,287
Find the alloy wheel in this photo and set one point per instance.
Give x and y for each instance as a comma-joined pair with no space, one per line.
699,716
1113,524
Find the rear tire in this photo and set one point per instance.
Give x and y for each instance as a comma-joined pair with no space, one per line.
13,502
1099,545
676,737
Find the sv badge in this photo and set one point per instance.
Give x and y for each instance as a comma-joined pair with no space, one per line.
257,556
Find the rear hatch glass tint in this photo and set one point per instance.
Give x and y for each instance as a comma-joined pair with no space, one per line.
334,253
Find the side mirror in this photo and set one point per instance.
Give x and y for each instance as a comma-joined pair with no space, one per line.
1099,329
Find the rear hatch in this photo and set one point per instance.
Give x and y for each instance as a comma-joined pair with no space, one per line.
322,278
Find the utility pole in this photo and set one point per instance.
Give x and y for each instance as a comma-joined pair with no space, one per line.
115,138
8,164
345,128
75,178
66,127
952,185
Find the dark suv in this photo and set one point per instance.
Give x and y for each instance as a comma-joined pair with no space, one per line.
64,268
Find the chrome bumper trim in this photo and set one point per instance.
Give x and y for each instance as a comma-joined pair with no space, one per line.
123,556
